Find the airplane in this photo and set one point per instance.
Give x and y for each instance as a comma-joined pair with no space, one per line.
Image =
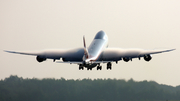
89,57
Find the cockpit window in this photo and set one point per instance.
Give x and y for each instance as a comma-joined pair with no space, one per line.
100,35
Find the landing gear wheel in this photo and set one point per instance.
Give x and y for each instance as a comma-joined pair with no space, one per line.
81,67
99,67
89,68
108,68
109,65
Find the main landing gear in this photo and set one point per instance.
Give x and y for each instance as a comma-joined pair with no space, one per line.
99,67
81,67
109,65
89,68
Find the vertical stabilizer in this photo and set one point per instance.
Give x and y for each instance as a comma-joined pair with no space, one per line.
85,49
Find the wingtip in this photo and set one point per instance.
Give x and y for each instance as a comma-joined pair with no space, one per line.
5,50
172,49
9,51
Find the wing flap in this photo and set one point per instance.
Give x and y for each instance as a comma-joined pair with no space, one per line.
102,61
74,62
69,62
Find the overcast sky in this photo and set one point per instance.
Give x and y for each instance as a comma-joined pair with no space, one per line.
59,24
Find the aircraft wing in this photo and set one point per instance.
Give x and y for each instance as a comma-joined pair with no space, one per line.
155,51
25,52
74,56
65,54
116,54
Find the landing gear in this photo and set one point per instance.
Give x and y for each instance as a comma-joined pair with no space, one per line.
81,67
99,67
89,68
126,59
109,65
116,62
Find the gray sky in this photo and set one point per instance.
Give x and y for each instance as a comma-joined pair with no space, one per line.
38,25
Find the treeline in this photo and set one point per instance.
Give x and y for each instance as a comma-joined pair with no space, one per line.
16,88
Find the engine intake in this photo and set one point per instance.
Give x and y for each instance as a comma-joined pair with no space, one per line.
147,57
40,58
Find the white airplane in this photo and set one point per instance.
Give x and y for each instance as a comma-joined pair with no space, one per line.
94,55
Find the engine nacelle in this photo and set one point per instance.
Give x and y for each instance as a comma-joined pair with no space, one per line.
126,59
147,57
40,58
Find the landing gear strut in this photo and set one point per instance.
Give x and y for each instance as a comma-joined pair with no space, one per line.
109,65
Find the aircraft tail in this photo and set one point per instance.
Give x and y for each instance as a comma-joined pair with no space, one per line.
85,49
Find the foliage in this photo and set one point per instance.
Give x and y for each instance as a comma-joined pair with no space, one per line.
18,89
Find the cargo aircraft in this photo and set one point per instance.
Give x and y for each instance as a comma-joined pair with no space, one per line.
94,55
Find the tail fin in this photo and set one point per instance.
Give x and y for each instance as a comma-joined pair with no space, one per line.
85,49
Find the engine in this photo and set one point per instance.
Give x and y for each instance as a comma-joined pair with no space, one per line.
126,59
40,58
147,57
